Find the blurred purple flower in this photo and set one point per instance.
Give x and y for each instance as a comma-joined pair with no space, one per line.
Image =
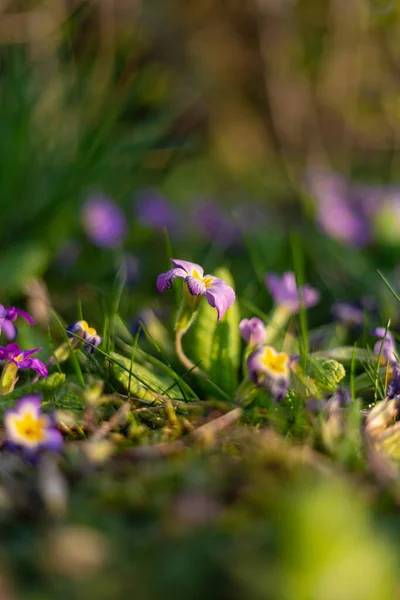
252,331
215,224
104,222
153,210
22,358
26,427
7,316
219,294
386,346
338,212
348,314
284,292
251,217
368,197
340,399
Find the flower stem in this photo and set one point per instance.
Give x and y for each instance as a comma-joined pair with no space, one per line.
187,311
190,366
187,363
245,392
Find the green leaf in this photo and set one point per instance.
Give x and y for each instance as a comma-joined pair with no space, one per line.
346,354
225,349
214,346
142,382
47,386
201,335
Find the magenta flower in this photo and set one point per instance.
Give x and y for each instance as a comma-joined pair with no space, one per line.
7,316
104,222
252,331
27,428
284,292
22,358
386,346
219,294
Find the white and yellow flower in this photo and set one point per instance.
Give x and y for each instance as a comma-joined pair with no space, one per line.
28,428
270,369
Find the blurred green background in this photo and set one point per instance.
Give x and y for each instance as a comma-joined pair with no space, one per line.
227,105
222,110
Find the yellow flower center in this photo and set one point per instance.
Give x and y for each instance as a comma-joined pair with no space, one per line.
206,280
84,325
30,429
277,363
19,358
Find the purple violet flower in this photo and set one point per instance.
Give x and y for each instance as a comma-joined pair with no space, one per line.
252,331
339,214
21,358
270,369
341,398
284,292
348,314
219,294
386,346
215,224
89,334
153,210
104,222
7,316
27,428
393,387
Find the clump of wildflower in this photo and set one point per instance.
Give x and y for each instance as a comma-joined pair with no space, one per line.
284,292
89,334
270,369
7,318
385,347
252,331
22,358
28,429
104,222
219,294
